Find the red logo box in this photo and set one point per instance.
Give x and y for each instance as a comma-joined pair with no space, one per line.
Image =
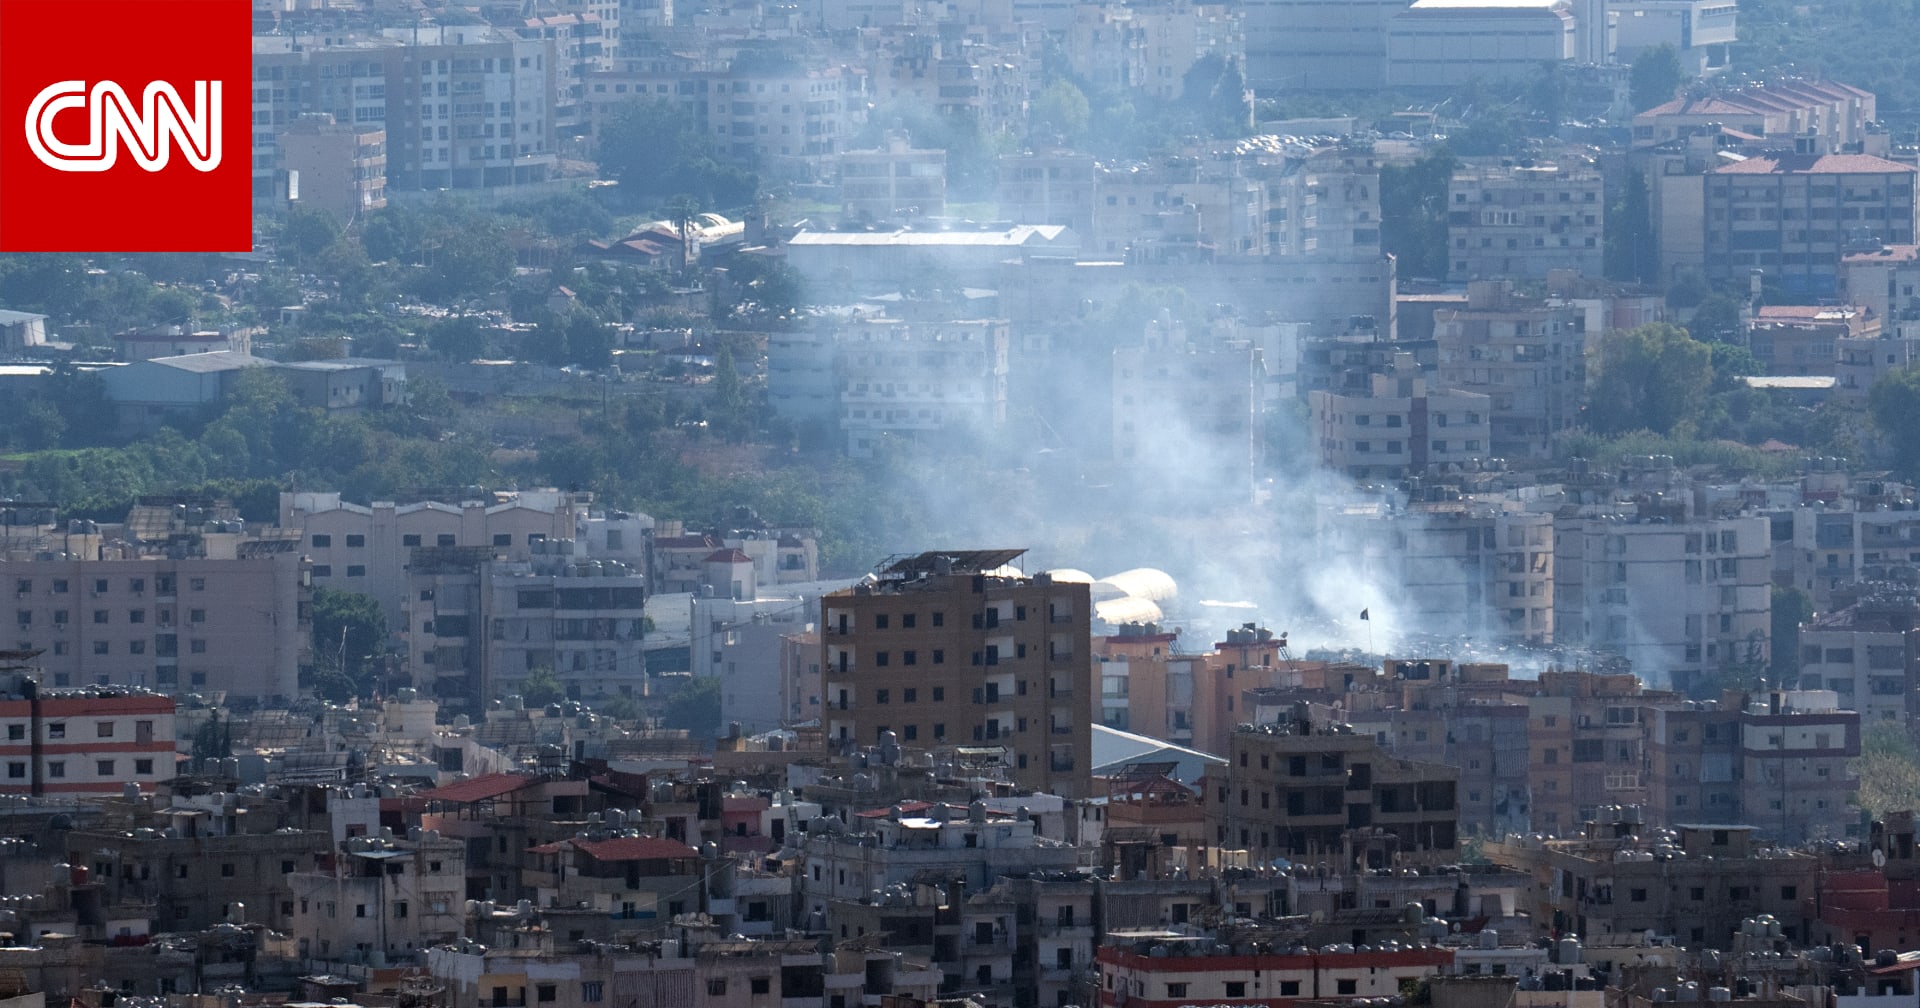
111,139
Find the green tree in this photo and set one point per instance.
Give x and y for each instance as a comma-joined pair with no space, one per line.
1632,252
695,707
459,338
1791,607
1649,378
1061,111
349,643
728,409
1413,213
1893,404
655,150
306,232
1656,76
540,688
1889,770
1717,319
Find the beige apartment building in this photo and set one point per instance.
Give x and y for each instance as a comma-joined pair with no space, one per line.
1522,223
237,625
954,649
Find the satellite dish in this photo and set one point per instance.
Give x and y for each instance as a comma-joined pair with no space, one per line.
1879,858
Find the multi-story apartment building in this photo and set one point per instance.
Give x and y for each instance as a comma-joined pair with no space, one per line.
582,45
1586,747
1181,209
1460,566
1864,654
870,379
237,623
1400,427
1676,596
1169,970
477,625
1793,215
1311,791
381,899
1701,32
1778,761
336,167
1615,879
892,182
1174,392
1806,339
1048,187
366,548
74,742
1528,355
949,649
1827,116
1870,535
462,106
1522,223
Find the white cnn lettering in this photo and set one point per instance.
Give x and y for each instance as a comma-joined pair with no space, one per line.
150,132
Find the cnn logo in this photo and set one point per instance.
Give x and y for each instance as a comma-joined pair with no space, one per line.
149,130
139,141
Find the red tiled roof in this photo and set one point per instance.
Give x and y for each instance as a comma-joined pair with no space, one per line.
1803,312
728,555
1811,164
480,788
906,808
684,542
634,849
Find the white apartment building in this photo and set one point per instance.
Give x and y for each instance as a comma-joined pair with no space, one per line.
476,626
1522,223
1483,568
76,742
1436,44
878,378
1861,654
366,548
1677,596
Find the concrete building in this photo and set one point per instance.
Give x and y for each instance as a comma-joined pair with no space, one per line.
381,900
21,331
1192,969
1321,792
1528,355
870,380
237,624
894,182
335,167
1777,761
1806,339
77,742
1294,44
1676,596
1827,117
1792,216
1181,209
1522,223
476,625
989,658
1436,44
149,393
366,548
1862,654
1175,391
1048,187
1701,32
463,107
1400,427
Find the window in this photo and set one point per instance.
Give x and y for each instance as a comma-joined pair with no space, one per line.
322,570
909,695
1346,986
100,616
197,647
356,570
592,991
99,647
410,540
1176,990
16,732
197,584
760,984
356,542
103,768
1236,988
716,987
16,771
1289,988
939,692
322,542
56,768
196,615
226,869
939,619
103,729
446,539
56,729
543,992
503,539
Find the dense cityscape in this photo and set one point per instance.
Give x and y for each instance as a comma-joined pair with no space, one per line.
988,504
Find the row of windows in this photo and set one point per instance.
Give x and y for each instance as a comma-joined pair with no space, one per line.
17,770
322,540
24,617
101,729
162,585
